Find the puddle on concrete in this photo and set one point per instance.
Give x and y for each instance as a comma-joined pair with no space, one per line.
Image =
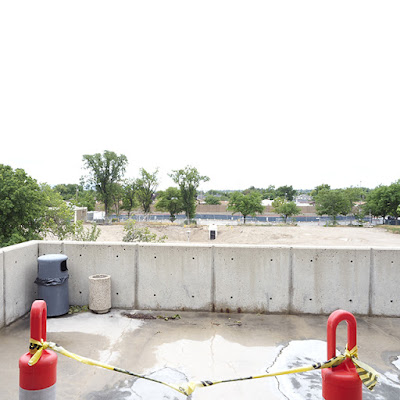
110,326
140,389
218,358
213,359
308,385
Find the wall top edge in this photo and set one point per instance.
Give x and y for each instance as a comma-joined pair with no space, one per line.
20,246
214,245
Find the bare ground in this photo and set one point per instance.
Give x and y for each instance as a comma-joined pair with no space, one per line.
301,235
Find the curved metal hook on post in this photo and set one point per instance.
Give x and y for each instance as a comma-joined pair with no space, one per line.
38,382
341,382
333,321
39,320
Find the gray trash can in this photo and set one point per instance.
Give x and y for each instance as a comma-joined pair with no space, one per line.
52,281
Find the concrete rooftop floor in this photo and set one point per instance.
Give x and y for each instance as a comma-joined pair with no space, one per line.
199,346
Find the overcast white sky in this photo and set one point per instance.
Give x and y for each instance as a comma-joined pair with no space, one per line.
251,93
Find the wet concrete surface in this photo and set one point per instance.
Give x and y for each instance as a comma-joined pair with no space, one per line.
200,346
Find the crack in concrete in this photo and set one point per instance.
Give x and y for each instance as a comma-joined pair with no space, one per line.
271,366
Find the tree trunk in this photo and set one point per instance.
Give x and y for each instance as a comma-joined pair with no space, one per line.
105,211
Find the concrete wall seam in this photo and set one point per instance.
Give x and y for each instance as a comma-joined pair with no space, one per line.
371,281
290,284
212,291
2,290
136,272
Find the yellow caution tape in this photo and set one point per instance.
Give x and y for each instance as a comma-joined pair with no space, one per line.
367,374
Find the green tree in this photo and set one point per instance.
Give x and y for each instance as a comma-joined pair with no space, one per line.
285,208
269,192
170,201
104,171
286,192
394,199
21,207
86,198
146,187
315,191
77,195
58,216
68,191
333,203
117,196
222,196
377,202
188,180
246,204
129,201
212,200
355,196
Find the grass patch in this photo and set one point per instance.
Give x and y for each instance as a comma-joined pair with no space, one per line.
390,228
77,309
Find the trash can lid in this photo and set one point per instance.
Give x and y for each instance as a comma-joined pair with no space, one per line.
52,257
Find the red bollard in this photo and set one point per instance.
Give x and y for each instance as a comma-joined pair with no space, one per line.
38,381
341,382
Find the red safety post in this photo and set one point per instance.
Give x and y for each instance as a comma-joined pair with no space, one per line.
38,381
341,382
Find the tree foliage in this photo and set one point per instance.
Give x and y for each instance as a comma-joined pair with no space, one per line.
58,216
21,207
105,170
129,201
332,202
134,233
146,186
89,234
246,204
170,201
188,180
68,191
212,200
384,201
77,195
286,192
315,191
285,208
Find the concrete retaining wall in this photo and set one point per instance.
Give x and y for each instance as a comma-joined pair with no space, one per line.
222,278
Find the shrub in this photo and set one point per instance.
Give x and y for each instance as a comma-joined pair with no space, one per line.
137,234
86,235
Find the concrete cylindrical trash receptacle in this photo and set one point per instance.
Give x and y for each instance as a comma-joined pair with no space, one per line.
100,293
52,281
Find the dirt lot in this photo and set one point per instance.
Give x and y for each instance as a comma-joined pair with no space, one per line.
303,235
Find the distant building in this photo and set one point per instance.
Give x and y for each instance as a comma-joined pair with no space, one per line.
304,200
